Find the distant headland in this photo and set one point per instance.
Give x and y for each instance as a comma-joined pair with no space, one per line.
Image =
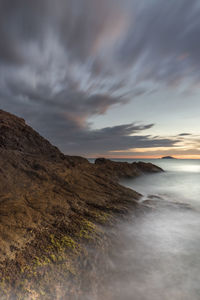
168,157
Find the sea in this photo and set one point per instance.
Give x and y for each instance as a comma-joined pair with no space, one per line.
159,254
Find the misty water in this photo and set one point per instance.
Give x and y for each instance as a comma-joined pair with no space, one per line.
158,251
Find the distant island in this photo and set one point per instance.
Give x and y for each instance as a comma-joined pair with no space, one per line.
168,157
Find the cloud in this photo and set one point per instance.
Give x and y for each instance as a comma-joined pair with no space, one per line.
185,134
63,61
84,140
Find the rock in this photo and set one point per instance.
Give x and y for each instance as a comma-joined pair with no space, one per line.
76,160
119,170
16,135
148,167
51,207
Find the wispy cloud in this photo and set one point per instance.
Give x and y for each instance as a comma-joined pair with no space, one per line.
63,61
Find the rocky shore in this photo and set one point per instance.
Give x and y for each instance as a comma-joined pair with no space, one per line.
53,209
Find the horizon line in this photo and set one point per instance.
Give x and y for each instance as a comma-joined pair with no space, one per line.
145,157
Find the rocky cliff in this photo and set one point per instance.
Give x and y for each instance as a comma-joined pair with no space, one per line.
52,206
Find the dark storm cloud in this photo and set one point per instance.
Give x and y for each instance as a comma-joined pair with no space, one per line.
95,142
64,61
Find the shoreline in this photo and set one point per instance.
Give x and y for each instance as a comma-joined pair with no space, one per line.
53,207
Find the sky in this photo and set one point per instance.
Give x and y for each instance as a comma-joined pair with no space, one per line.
112,78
